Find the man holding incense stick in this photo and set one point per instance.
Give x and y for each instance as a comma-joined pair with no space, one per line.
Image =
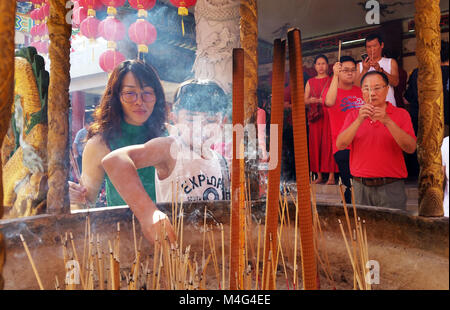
376,62
341,97
377,135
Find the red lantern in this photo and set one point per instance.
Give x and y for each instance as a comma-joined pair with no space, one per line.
34,14
112,30
142,33
89,27
91,5
46,10
112,5
182,6
110,59
34,31
42,47
142,6
40,14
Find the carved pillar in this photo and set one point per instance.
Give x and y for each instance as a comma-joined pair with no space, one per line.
431,119
217,31
58,108
7,22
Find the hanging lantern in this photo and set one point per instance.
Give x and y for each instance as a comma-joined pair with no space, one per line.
46,11
182,6
112,6
110,59
91,6
89,27
42,47
142,6
112,30
34,15
143,34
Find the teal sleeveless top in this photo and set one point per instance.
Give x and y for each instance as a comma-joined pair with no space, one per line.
131,135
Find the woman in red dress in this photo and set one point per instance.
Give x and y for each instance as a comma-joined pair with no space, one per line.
320,152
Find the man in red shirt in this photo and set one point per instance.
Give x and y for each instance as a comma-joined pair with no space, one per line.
341,98
378,134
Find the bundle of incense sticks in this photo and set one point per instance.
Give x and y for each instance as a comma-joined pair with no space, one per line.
357,249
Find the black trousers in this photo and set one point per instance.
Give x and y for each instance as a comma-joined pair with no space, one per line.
342,159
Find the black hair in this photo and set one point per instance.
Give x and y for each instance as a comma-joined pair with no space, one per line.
347,58
204,96
382,74
320,56
373,36
444,51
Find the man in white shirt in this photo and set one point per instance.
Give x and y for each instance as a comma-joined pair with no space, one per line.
376,61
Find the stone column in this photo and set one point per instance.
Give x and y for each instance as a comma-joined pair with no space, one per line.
217,31
58,108
431,118
78,108
7,22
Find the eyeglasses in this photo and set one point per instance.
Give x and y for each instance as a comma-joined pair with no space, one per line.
132,96
376,89
348,70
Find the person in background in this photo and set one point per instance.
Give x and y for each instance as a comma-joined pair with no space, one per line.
378,134
445,164
320,151
412,97
80,141
376,62
340,98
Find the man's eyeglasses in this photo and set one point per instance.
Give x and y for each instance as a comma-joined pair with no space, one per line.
376,89
348,70
132,96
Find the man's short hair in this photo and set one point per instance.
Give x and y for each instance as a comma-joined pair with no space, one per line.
444,51
201,96
373,36
347,58
382,74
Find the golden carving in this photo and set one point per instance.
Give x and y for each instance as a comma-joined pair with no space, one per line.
58,108
7,22
24,165
431,119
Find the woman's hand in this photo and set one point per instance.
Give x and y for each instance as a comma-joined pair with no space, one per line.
77,193
157,224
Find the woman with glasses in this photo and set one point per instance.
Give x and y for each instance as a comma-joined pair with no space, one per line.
131,111
320,152
378,134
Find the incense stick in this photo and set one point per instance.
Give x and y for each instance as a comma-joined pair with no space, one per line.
31,262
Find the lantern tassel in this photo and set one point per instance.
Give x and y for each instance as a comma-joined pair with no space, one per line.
182,25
